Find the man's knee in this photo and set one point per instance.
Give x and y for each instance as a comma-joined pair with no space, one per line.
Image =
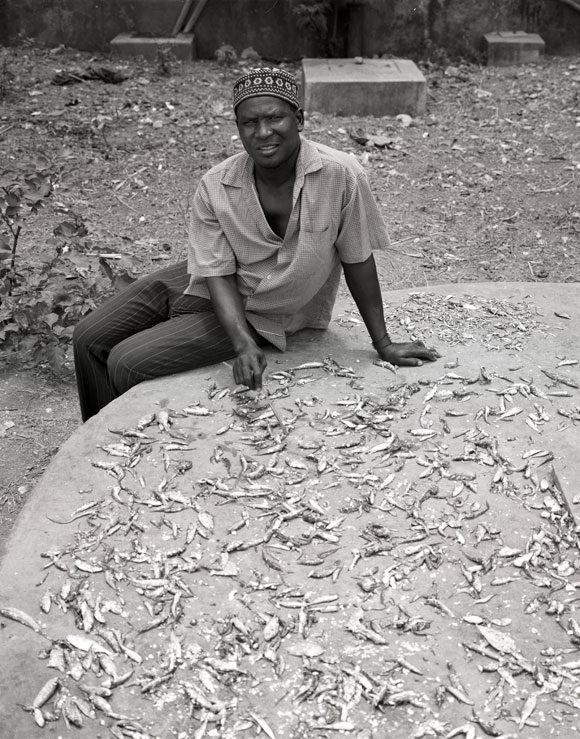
121,369
84,333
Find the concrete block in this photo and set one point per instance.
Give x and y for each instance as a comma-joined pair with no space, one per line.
129,45
513,47
376,87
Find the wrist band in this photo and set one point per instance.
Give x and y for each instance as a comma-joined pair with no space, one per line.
378,341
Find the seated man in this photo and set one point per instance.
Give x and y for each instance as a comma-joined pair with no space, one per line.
271,230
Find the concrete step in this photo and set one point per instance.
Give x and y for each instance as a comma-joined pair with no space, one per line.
130,45
374,87
513,47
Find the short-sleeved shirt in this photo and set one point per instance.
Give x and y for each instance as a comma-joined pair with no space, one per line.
286,283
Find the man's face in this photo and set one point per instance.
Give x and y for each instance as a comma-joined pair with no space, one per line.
269,129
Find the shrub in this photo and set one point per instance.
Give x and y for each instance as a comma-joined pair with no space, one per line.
41,302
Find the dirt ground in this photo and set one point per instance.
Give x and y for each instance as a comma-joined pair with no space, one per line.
483,187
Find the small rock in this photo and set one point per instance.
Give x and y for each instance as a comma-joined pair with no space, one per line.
405,120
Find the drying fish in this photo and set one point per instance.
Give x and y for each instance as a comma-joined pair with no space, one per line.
308,366
206,520
424,433
467,731
385,365
309,648
15,614
560,379
84,510
101,704
355,626
337,726
271,629
509,414
157,540
224,666
85,644
197,410
87,566
263,725
459,695
527,709
145,421
47,691
275,563
498,640
404,663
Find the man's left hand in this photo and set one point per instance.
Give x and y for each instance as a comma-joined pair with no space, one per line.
407,353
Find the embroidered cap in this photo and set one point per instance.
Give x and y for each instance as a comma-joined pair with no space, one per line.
267,81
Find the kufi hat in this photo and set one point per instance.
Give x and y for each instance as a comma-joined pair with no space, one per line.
267,81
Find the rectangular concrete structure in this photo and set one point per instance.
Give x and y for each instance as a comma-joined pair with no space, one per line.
513,47
129,45
377,87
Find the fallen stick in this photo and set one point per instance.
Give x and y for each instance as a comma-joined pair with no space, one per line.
557,187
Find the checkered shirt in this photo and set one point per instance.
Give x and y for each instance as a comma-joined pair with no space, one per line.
286,283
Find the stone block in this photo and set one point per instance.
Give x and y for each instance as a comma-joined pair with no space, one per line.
377,87
129,45
513,47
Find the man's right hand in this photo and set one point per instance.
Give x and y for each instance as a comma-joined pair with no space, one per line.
249,366
228,305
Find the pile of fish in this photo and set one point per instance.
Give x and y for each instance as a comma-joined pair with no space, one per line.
463,319
366,558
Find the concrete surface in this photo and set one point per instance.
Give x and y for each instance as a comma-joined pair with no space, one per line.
513,47
129,45
357,553
376,87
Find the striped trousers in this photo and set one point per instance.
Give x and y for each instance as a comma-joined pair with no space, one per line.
148,330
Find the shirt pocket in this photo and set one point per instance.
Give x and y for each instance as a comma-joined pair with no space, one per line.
317,222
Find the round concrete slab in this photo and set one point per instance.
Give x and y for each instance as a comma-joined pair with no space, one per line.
355,551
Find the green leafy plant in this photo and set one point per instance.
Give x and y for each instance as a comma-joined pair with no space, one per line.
165,60
23,190
41,301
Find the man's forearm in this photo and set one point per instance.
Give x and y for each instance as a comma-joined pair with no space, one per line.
229,309
363,282
228,305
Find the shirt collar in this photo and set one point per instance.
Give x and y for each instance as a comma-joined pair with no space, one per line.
240,173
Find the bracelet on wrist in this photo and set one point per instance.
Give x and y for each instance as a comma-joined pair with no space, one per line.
379,342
